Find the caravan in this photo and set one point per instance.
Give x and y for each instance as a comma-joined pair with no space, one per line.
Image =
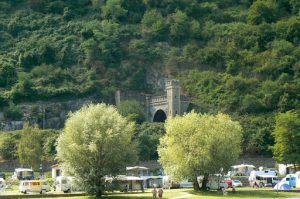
23,174
263,178
38,186
65,184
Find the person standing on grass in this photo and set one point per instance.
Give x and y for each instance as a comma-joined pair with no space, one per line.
154,192
160,193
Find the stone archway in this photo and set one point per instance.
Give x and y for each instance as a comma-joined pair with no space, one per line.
159,116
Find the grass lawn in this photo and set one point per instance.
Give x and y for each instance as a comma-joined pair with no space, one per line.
245,193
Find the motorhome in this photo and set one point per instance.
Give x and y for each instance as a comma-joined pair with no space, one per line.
241,170
38,186
263,178
64,184
23,174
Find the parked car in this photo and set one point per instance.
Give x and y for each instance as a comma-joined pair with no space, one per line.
237,183
228,181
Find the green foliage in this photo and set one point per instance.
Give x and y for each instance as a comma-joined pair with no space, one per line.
13,112
153,25
287,137
8,146
113,10
49,139
262,11
30,147
132,110
8,74
96,142
197,144
179,26
147,136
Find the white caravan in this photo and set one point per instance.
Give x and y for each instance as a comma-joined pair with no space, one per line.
64,183
38,186
23,174
263,178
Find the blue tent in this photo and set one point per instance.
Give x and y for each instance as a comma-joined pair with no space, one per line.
285,187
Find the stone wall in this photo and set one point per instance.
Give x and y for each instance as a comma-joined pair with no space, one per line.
9,166
45,114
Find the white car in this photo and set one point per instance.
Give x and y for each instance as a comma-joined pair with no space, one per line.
237,183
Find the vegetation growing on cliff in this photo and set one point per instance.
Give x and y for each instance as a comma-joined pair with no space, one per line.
240,57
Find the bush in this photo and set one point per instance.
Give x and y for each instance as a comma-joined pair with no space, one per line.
8,146
13,112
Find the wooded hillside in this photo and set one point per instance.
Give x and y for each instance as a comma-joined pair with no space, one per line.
235,56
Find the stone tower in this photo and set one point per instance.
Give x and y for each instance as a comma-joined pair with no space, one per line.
173,97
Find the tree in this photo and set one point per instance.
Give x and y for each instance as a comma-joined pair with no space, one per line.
153,25
148,135
96,141
8,74
197,144
113,10
179,26
30,147
287,137
8,146
132,110
262,11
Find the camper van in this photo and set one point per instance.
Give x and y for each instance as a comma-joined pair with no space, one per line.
64,183
23,174
38,186
263,178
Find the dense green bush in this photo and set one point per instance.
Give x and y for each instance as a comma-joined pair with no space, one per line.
13,112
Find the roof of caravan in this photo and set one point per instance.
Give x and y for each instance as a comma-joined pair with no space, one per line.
22,169
243,165
136,168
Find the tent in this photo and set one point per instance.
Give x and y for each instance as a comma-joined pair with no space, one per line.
282,187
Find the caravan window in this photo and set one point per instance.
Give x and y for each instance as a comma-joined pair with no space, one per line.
35,183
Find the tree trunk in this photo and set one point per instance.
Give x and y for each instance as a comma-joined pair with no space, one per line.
204,182
196,184
98,191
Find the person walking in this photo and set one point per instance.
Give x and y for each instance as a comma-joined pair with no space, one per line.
160,193
154,192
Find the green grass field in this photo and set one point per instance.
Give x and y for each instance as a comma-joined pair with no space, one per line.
245,193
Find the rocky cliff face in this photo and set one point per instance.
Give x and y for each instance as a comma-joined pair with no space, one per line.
46,114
